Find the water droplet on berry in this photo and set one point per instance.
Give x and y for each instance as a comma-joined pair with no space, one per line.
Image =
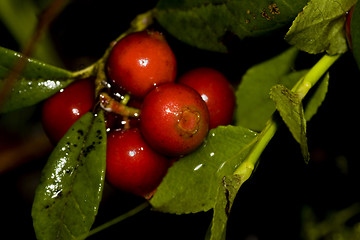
143,62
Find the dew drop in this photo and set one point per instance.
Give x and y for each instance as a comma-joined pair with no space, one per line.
198,167
221,166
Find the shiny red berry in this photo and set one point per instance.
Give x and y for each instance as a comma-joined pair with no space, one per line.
174,119
140,61
131,165
60,111
216,91
348,26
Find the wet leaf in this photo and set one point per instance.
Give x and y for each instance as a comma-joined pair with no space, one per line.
184,190
37,82
205,23
320,27
290,107
67,198
254,106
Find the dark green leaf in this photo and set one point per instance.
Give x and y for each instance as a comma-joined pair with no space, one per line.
355,33
67,198
37,82
29,92
192,183
254,106
291,110
204,23
320,27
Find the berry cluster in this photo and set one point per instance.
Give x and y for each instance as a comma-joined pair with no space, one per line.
165,118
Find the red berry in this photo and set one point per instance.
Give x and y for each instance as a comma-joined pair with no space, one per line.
348,26
140,61
131,165
61,110
113,121
174,119
216,91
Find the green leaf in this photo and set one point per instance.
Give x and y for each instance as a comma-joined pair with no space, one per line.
192,183
225,198
355,33
67,198
204,23
317,98
320,27
290,107
228,189
37,82
254,106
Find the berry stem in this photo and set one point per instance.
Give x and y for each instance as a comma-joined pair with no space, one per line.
315,73
111,105
120,218
301,88
125,99
85,72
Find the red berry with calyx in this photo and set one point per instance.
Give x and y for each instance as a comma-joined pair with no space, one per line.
174,119
215,90
62,110
131,165
140,61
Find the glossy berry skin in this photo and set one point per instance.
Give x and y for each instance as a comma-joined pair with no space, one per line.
348,26
60,111
174,119
140,61
216,91
131,165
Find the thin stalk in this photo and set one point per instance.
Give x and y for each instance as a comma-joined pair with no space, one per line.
111,105
86,72
302,87
314,75
262,140
120,218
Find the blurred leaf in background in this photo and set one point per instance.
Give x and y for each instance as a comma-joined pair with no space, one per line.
20,18
206,23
